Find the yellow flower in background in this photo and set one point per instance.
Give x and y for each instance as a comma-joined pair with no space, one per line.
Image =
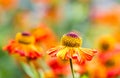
106,43
71,49
23,45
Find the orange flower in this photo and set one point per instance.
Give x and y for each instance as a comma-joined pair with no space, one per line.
44,35
71,49
96,70
106,43
24,46
109,55
52,14
8,4
109,18
110,61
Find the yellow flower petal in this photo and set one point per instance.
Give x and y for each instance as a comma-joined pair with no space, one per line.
62,53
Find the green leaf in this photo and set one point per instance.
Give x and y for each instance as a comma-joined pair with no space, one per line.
34,70
41,74
27,69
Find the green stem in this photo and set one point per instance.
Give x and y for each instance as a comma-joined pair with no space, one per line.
71,66
27,69
34,70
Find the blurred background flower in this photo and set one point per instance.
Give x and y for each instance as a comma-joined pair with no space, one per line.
98,22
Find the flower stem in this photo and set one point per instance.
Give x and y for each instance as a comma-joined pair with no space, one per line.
34,70
71,66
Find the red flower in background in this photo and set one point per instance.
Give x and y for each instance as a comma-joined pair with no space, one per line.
58,67
109,55
24,46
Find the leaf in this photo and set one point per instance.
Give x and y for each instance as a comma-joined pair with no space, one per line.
27,69
34,70
41,74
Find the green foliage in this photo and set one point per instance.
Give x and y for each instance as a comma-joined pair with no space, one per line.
8,67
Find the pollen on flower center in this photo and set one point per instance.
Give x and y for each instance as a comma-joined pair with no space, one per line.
71,40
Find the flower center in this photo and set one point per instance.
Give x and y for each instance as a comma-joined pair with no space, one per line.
71,40
105,46
72,34
25,34
25,38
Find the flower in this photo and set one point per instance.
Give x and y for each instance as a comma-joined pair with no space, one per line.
24,46
58,67
110,60
9,4
44,35
107,18
106,43
109,55
71,49
96,70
